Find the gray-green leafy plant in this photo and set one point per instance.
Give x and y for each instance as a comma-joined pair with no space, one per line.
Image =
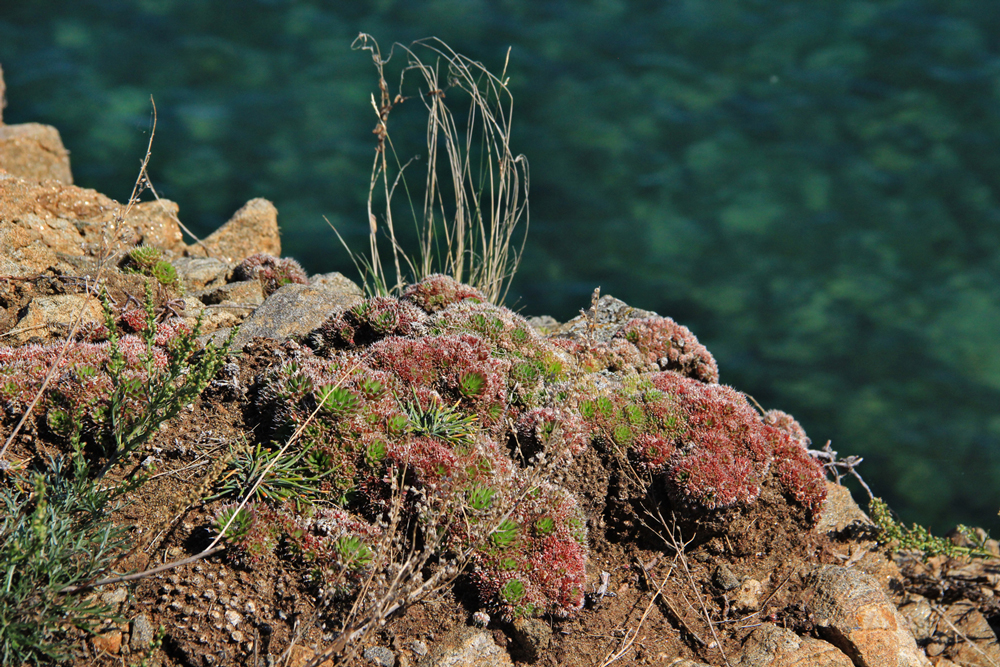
57,536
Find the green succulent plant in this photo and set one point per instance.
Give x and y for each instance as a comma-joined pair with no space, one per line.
352,552
505,535
441,421
480,497
338,401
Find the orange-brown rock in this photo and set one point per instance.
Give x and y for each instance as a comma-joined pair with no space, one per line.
252,229
771,646
853,613
34,151
300,655
54,316
44,225
108,642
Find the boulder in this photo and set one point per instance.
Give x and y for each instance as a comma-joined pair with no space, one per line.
43,225
839,510
53,316
853,613
295,310
197,273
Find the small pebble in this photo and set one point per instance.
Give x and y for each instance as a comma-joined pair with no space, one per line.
236,636
381,656
232,618
209,595
419,648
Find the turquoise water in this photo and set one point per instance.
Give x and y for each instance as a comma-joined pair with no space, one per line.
810,185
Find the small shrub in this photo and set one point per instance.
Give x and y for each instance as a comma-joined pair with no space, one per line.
918,538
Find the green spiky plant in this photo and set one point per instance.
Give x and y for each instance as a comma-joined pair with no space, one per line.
295,476
149,261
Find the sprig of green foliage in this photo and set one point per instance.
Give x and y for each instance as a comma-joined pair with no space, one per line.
163,393
918,538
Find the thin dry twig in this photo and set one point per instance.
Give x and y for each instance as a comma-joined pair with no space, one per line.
678,545
633,633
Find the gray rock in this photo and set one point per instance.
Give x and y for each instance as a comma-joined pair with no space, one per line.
114,598
295,310
466,647
544,324
839,510
241,293
142,633
602,320
335,280
724,578
197,273
380,655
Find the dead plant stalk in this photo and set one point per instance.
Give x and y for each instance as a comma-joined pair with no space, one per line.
467,221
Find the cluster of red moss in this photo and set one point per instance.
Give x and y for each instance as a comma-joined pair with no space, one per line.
273,272
704,441
438,291
671,346
458,402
